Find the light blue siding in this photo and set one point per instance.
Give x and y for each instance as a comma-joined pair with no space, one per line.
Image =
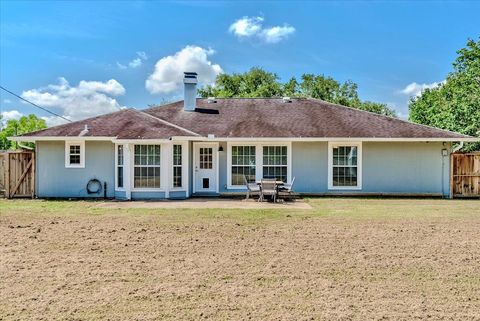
122,195
222,160
144,195
310,167
405,168
388,168
177,195
54,180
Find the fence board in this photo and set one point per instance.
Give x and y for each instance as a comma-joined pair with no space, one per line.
465,175
17,173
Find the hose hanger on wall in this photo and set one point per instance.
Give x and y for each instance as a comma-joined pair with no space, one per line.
94,186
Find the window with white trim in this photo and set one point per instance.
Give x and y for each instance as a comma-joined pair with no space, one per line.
120,162
75,154
275,162
345,166
243,164
177,165
146,168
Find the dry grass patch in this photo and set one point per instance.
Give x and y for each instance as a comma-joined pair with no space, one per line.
347,259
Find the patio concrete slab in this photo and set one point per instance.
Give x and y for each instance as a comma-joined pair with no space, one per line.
207,203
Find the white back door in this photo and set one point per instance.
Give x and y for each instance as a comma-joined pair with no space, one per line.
205,163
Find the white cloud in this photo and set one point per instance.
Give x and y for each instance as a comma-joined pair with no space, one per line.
142,55
415,90
7,101
135,62
88,99
246,26
277,34
11,114
168,74
119,65
251,27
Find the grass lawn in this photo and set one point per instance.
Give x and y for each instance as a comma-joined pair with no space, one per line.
347,259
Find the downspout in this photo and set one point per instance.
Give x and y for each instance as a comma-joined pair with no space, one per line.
456,149
25,146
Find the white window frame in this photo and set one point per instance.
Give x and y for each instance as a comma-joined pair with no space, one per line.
331,146
184,186
163,166
258,160
123,166
67,154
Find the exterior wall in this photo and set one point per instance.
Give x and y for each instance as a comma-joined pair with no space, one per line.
388,168
54,180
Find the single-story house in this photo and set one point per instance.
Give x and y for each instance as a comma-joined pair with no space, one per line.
207,146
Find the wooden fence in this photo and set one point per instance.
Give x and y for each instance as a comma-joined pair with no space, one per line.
465,175
17,174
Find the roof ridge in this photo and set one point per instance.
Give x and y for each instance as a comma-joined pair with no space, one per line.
168,123
389,117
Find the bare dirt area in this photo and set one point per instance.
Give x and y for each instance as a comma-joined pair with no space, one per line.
346,259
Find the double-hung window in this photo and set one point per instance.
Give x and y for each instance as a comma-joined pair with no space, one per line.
75,154
120,162
146,168
243,164
177,165
345,166
275,162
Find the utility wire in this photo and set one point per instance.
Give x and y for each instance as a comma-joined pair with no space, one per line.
44,109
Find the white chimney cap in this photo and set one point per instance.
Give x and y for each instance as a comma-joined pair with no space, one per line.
190,77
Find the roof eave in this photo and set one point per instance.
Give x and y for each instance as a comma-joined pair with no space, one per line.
33,139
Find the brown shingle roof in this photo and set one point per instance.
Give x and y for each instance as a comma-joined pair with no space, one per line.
269,117
299,118
124,124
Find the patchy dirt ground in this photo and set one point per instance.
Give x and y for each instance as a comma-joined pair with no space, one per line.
344,260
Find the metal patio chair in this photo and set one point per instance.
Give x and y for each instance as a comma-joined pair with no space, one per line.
286,191
268,187
252,188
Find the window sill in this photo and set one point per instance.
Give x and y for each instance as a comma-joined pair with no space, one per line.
74,166
348,188
148,190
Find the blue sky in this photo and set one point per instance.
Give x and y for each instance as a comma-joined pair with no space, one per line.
85,58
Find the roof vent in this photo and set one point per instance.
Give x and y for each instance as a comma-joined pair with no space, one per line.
84,131
211,100
287,99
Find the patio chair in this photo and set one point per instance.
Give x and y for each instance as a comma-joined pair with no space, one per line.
288,187
286,191
268,187
252,188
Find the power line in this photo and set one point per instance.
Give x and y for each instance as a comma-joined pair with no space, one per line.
42,108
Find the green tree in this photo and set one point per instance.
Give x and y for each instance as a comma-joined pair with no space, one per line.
455,105
21,126
254,83
260,83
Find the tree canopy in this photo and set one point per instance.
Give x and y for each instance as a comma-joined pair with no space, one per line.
14,127
454,105
261,83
